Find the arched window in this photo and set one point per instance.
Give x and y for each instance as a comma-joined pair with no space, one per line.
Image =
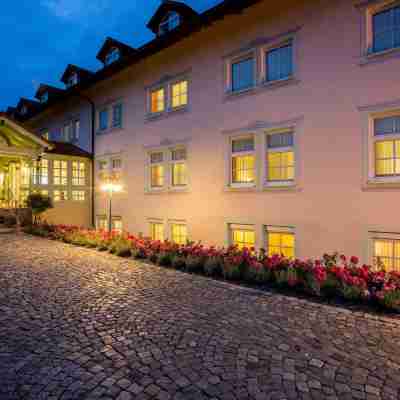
169,23
112,56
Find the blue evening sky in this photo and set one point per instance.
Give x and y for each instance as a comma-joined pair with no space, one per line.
40,37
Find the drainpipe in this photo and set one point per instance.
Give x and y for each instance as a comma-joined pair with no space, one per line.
93,135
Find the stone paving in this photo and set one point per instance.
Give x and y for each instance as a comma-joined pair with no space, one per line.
78,324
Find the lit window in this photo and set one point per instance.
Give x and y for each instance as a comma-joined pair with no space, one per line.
279,63
387,146
40,172
280,242
103,119
25,174
157,170
180,94
117,115
242,74
101,222
60,172
169,23
157,100
78,173
60,195
157,231
44,193
280,157
387,254
78,195
179,234
116,224
243,161
386,29
178,166
243,236
112,56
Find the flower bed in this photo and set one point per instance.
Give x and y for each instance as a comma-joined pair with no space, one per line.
332,276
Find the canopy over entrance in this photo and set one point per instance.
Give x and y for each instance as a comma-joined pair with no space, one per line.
19,148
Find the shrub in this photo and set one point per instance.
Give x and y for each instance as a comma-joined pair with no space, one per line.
212,266
10,221
178,261
194,263
164,259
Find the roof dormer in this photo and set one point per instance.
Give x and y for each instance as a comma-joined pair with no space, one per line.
114,50
170,15
26,107
46,93
74,75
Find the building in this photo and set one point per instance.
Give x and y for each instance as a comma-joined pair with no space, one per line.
258,123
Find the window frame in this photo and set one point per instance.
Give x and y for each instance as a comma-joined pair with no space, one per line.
379,235
61,177
172,164
74,192
231,61
171,84
101,128
65,198
167,22
114,106
244,228
264,175
37,172
281,230
242,153
171,224
82,181
153,221
163,164
165,100
101,217
110,57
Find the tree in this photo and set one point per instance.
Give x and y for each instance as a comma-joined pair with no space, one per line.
38,203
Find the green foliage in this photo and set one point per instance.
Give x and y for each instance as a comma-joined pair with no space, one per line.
194,263
165,259
212,266
178,262
38,203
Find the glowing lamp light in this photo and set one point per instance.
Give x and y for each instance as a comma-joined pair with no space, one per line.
110,188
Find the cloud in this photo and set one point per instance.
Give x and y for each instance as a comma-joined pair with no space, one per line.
74,9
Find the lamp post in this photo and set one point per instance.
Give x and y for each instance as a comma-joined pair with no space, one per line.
110,188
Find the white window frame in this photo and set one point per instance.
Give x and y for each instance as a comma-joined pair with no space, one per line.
166,25
102,217
171,166
379,235
158,221
113,106
66,198
279,229
62,185
242,227
75,191
79,177
150,112
264,174
101,129
172,222
72,80
368,115
170,85
113,55
242,153
230,61
164,164
118,218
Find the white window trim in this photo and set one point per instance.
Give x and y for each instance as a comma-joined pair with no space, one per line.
101,217
260,130
368,10
69,164
368,115
231,226
264,176
79,190
280,229
159,221
376,235
109,107
170,84
150,91
163,163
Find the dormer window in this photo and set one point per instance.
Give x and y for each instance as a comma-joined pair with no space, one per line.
72,80
44,97
24,110
112,56
169,23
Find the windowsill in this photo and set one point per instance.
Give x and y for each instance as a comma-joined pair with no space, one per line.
165,114
372,57
109,130
281,186
264,85
168,190
377,184
241,188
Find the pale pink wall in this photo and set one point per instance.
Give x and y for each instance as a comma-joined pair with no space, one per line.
330,211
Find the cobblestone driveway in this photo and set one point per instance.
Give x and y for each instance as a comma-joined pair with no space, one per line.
77,324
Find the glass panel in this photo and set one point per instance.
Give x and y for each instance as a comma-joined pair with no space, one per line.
116,223
280,140
156,158
179,174
387,126
243,238
179,94
103,119
243,74
281,243
78,195
280,166
279,63
157,176
243,170
240,145
78,173
179,154
386,27
383,253
385,158
179,234
157,231
157,101
60,172
117,116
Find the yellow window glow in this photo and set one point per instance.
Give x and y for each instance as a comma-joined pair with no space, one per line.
387,254
243,169
280,166
60,195
116,223
78,173
387,157
157,231
157,176
157,101
60,172
179,174
281,243
25,174
78,195
179,233
179,94
243,238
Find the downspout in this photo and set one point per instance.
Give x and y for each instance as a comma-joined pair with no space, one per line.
93,136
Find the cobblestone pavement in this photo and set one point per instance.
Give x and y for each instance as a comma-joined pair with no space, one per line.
77,324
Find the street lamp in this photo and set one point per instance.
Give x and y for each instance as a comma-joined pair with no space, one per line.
110,188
